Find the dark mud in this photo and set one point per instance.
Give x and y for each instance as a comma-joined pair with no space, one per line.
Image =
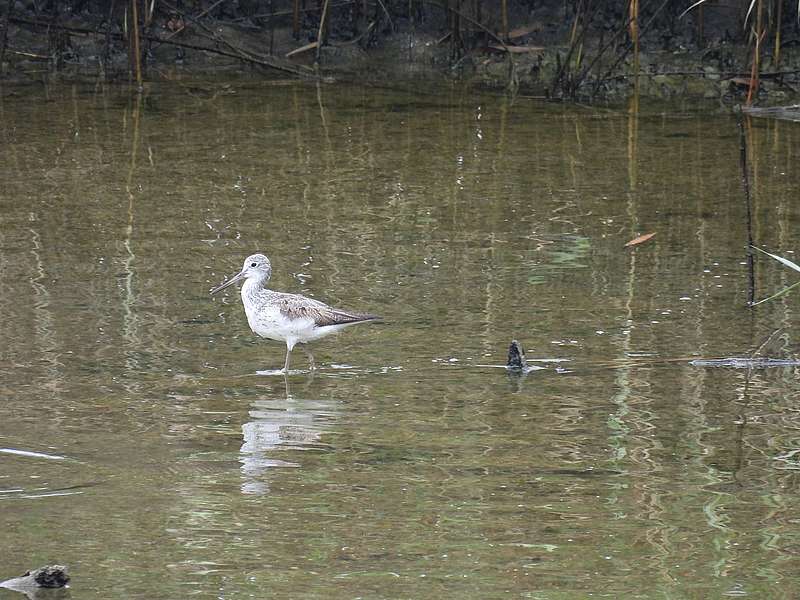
545,53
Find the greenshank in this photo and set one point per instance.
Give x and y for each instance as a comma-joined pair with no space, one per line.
289,318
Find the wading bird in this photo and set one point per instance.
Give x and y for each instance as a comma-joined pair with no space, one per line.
289,318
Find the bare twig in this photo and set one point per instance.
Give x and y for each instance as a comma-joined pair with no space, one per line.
321,32
269,62
576,42
504,18
136,53
285,13
468,19
767,341
622,56
513,82
266,61
200,15
388,16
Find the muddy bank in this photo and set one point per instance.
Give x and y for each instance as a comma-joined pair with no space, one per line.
548,53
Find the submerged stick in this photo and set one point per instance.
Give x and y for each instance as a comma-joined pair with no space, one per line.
767,341
751,273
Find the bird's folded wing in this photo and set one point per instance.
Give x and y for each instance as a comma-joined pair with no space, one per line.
298,307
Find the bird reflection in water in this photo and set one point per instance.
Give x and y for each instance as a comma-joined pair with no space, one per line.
275,427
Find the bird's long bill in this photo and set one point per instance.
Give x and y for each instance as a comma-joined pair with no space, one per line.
230,282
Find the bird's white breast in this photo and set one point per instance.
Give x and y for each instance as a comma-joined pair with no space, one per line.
266,319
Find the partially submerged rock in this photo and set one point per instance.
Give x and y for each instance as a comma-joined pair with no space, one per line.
516,357
47,577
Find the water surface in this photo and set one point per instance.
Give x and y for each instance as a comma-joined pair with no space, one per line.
140,446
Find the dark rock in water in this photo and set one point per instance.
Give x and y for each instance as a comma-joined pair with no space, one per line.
516,356
50,576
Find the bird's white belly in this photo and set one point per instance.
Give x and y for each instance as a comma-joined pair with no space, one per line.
275,326
272,324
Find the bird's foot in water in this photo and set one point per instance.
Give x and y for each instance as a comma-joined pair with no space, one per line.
284,372
271,372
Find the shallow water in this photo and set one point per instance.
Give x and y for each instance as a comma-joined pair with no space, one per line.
142,444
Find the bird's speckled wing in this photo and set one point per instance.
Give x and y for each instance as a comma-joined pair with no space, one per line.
295,306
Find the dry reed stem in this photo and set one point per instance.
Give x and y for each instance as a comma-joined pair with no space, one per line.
321,31
776,57
135,44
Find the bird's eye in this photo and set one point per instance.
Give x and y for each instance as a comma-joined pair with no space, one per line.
253,264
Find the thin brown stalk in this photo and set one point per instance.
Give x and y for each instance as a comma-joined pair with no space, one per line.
321,33
583,18
622,56
573,33
4,38
756,65
776,58
296,19
634,31
701,25
136,55
504,18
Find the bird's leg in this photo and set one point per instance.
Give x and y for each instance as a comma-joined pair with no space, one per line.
286,364
286,385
